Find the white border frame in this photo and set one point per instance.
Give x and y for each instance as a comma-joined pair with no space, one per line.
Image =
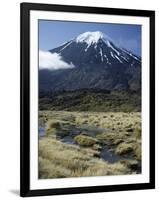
36,183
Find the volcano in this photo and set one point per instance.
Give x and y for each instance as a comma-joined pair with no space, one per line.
96,63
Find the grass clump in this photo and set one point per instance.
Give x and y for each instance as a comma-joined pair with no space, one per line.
124,148
105,136
112,138
52,127
137,132
137,150
97,147
53,124
84,140
48,169
58,127
132,164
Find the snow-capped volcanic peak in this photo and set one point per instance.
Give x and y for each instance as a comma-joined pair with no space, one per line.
91,60
90,37
95,48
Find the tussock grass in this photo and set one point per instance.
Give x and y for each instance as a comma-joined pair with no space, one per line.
113,138
84,140
52,127
132,164
58,127
122,131
53,124
59,160
137,132
124,148
137,149
48,169
97,147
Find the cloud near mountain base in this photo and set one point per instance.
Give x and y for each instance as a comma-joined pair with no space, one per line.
52,61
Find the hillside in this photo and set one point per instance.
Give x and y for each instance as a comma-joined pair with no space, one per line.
90,100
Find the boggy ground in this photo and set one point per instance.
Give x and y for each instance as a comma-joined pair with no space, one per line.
75,144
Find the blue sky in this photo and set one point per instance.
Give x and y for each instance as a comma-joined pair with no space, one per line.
53,33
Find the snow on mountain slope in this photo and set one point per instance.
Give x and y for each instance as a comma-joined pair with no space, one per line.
93,48
90,37
91,60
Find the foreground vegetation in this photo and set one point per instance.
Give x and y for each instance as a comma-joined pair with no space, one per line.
59,160
73,143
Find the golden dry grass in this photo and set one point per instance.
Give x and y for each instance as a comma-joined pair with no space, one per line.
59,160
84,140
124,148
121,130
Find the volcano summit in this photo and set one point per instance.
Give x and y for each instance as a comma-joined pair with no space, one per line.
90,61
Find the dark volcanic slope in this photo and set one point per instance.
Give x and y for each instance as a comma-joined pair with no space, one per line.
98,63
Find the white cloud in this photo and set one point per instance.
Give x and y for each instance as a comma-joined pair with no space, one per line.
52,61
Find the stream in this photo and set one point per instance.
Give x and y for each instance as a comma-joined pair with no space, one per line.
106,152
